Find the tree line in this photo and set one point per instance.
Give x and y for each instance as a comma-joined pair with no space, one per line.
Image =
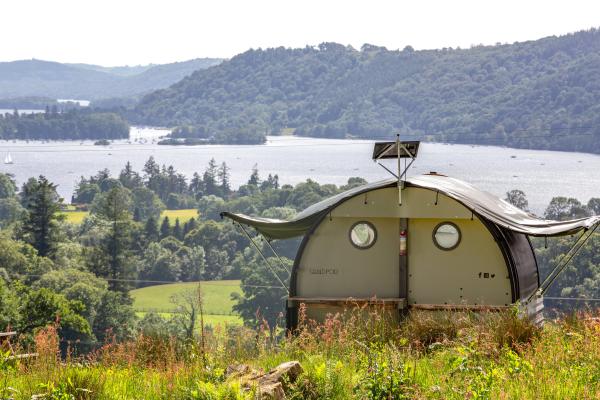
80,276
538,94
74,124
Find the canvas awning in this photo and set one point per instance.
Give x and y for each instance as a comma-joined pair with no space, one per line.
483,204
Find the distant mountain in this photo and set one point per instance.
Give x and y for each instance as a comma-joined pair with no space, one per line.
27,78
125,70
539,94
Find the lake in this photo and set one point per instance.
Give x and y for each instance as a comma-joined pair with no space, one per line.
541,174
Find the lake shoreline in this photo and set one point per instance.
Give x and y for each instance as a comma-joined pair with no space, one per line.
540,174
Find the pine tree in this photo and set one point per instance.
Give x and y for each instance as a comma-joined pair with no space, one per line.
151,230
42,204
210,177
188,226
254,178
223,174
114,259
177,229
129,178
197,185
165,228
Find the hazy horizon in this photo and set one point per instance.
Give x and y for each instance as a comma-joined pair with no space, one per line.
133,33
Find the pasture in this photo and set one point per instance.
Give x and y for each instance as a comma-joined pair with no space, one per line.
216,299
76,217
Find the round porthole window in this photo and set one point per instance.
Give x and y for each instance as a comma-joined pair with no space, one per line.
363,235
446,236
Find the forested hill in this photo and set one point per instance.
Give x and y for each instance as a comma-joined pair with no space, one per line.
540,94
81,81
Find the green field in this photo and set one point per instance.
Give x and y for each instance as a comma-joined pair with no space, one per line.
217,303
183,215
76,217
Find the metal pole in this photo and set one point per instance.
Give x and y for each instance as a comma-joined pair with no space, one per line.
399,170
565,260
276,255
265,259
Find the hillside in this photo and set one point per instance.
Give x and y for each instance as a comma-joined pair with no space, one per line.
81,81
539,94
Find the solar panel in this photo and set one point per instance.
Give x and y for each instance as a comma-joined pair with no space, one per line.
389,150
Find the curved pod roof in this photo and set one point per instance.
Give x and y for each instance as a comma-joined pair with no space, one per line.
481,203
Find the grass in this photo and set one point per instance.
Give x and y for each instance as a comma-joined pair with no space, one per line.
217,303
209,319
431,356
216,296
183,215
76,217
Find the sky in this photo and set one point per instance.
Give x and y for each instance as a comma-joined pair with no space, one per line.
133,32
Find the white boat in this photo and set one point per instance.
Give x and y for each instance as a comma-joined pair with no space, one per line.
8,159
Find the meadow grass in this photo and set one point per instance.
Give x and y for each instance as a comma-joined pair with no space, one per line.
444,356
209,319
216,300
183,215
76,217
216,296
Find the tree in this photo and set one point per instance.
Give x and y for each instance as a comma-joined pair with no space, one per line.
115,260
272,182
193,263
189,308
85,192
210,178
197,185
263,295
10,208
129,178
189,226
76,285
147,203
211,207
224,184
42,206
518,199
562,208
115,317
254,179
165,228
8,188
151,230
594,205
177,230
354,182
43,307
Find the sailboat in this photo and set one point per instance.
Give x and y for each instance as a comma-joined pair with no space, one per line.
8,159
